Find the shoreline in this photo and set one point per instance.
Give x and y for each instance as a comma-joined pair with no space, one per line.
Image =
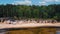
29,25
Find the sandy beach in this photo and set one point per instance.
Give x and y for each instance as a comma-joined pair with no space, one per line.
2,26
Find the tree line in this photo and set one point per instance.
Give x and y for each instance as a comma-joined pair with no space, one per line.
24,11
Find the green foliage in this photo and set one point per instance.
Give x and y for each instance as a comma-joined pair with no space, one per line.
23,11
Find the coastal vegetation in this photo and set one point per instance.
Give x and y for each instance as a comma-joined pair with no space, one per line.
30,12
21,12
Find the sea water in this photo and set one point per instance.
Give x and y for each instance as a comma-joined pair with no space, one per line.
32,31
58,32
2,31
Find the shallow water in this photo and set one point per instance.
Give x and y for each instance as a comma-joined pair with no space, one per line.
2,31
32,31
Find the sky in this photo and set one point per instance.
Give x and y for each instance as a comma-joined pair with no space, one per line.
30,2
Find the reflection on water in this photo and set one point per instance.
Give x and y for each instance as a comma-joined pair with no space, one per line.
58,32
2,31
32,31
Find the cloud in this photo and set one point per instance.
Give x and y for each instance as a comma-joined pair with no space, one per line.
45,2
57,0
25,2
51,0
48,0
42,3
